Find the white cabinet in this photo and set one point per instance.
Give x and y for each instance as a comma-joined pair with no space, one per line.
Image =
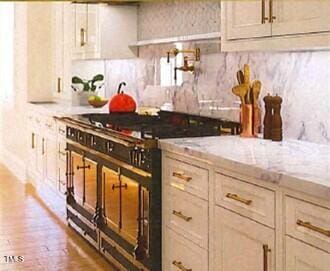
39,52
300,16
185,215
302,257
242,244
103,31
245,19
275,24
47,152
61,50
180,254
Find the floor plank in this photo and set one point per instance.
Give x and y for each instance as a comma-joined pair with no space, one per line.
33,225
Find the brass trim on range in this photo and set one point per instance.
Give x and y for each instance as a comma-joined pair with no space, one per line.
181,176
179,265
266,250
126,254
263,12
181,215
312,227
112,160
238,198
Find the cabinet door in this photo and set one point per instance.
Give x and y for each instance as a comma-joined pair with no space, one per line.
57,40
80,38
92,47
246,19
302,257
301,16
51,160
242,244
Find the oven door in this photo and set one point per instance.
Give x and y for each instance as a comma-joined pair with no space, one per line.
84,181
125,206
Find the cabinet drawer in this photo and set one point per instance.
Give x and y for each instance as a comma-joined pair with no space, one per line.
301,257
187,215
62,150
308,222
61,130
186,177
181,254
246,199
50,124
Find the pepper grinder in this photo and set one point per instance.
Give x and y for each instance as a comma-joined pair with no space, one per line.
268,119
277,119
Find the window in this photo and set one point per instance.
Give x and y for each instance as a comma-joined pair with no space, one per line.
6,51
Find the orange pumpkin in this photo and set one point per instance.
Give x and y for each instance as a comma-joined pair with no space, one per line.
121,102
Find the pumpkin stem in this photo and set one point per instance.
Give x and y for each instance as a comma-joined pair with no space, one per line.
120,86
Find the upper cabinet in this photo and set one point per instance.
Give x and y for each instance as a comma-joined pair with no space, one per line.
275,24
246,19
295,17
103,31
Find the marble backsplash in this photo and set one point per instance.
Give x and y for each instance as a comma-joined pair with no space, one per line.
301,78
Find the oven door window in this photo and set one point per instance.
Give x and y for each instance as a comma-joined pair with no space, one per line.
84,181
126,207
110,197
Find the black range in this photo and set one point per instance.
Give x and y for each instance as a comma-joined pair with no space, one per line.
114,180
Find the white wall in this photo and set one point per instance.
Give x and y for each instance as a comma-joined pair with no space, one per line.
13,105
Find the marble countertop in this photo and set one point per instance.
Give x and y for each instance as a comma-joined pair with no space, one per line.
294,164
62,109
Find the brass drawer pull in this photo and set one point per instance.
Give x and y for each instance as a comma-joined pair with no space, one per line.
182,216
180,266
238,198
182,176
310,226
266,250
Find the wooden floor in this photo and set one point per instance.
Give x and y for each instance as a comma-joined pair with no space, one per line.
33,225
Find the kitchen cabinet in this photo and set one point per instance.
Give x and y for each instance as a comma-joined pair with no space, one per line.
242,244
185,214
302,257
238,222
103,32
275,25
246,19
61,44
47,152
298,17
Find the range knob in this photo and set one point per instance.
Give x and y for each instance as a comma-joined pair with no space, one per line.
110,146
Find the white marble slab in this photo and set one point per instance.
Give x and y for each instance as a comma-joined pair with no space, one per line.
61,109
293,164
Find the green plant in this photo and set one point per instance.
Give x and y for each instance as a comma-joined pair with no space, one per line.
88,85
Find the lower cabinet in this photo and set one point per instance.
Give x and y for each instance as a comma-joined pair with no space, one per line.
303,257
242,244
182,254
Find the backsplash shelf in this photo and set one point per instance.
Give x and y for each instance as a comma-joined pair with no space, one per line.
206,36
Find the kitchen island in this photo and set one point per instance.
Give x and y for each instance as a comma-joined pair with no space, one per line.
249,203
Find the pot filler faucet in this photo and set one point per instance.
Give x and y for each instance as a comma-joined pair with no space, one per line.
186,67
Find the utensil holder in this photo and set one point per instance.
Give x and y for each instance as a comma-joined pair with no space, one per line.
247,120
256,120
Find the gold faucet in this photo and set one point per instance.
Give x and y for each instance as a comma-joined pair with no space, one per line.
196,52
186,67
